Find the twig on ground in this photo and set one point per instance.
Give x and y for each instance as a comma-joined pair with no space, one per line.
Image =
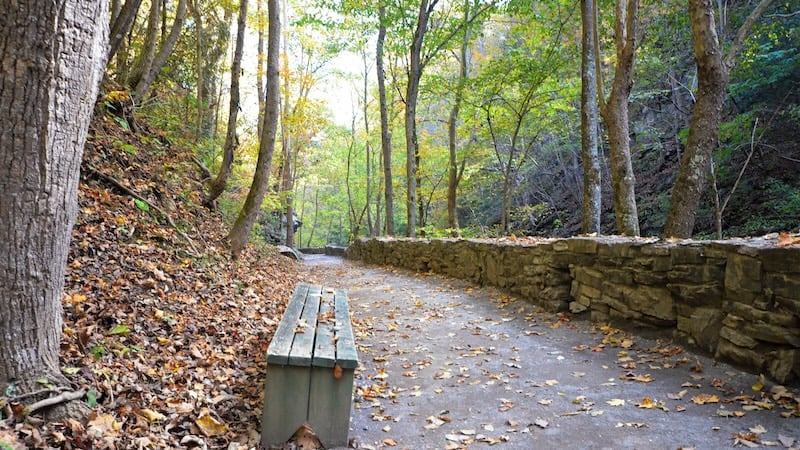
109,179
61,398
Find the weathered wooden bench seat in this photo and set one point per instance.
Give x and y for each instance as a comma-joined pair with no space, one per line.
310,366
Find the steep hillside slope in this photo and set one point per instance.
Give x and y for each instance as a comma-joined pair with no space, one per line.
165,333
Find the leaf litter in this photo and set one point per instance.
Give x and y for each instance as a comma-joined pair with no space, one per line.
169,344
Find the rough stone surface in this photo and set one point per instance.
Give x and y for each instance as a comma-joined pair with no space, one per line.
738,299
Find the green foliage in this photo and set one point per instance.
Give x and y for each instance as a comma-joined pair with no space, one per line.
98,351
141,205
91,398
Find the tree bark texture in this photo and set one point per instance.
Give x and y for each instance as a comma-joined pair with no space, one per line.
412,93
713,69
219,184
240,232
453,174
144,59
592,178
53,57
164,50
121,25
615,114
386,137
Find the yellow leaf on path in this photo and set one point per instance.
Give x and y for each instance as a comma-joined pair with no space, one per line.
616,402
211,426
702,399
647,403
759,385
389,442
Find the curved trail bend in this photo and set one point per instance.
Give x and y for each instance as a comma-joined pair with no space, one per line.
446,365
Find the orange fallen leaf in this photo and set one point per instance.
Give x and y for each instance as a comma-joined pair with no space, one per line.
211,426
702,399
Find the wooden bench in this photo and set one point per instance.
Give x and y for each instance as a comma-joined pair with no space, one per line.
310,365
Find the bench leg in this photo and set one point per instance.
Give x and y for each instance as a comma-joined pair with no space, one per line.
329,406
285,403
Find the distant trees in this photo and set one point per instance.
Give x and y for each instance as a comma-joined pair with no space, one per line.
58,50
484,110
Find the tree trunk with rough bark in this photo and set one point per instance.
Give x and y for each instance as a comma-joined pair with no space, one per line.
54,53
240,232
615,114
386,137
713,70
412,93
592,201
217,187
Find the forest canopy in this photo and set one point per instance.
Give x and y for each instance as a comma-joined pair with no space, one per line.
473,127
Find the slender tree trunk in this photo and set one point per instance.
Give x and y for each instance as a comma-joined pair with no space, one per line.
412,92
240,233
713,70
217,187
589,152
386,137
615,114
144,61
260,66
453,174
46,104
121,24
160,59
367,147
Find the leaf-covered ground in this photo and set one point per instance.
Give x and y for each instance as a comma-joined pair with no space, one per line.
165,333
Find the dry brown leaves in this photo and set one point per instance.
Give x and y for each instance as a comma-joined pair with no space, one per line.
169,345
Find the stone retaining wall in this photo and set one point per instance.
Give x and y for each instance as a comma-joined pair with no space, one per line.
737,299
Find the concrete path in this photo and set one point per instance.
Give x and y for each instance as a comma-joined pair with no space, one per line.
448,365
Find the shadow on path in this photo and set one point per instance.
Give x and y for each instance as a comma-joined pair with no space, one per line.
447,365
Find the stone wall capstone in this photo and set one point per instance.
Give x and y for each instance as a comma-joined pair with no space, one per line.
738,299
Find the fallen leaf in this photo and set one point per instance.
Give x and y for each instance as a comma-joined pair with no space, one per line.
616,402
211,426
678,396
702,399
152,416
541,423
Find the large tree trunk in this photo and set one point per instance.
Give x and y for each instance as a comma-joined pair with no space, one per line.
240,232
615,114
219,184
386,138
54,53
591,158
713,69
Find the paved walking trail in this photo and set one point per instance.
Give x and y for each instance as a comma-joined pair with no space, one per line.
447,365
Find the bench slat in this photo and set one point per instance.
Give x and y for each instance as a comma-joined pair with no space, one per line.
302,350
278,351
324,350
346,355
